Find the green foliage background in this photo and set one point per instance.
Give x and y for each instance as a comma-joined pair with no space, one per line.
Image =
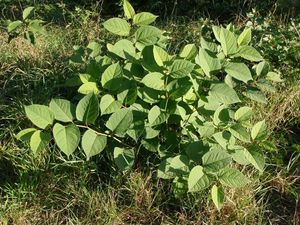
223,10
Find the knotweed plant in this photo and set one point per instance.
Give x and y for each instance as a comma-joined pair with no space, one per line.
189,109
28,27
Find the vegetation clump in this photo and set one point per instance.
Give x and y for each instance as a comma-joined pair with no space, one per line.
188,109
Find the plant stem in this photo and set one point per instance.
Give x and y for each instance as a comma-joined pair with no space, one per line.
104,134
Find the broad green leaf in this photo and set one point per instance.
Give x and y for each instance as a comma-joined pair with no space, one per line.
135,70
218,196
63,110
217,31
160,55
25,135
211,46
36,27
94,49
110,78
124,49
224,138
149,95
136,132
224,94
92,143
243,114
179,165
87,109
195,150
149,62
144,18
124,158
89,87
39,115
256,95
206,130
181,68
28,12
66,137
163,170
128,95
14,25
275,77
120,121
156,116
239,156
154,80
250,53
147,35
208,62
117,26
255,158
198,180
239,71
189,51
230,81
209,103
84,78
151,133
151,145
216,159
39,140
109,105
259,131
190,97
262,68
128,9
179,87
221,116
228,42
240,133
245,37
233,178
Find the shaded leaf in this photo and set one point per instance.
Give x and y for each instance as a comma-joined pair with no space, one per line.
218,196
120,121
87,109
124,158
39,140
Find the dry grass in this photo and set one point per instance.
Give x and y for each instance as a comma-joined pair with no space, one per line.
65,200
285,106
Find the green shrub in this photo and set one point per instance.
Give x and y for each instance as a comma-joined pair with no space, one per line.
28,27
188,109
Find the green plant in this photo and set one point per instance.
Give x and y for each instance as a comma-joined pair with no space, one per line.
279,42
30,28
186,109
